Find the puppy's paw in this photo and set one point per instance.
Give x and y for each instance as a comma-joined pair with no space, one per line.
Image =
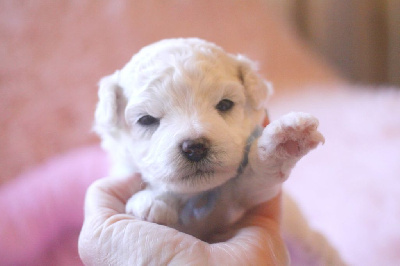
291,136
152,208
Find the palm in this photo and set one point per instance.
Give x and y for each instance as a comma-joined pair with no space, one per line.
111,237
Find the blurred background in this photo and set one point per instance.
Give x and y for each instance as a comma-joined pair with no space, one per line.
361,38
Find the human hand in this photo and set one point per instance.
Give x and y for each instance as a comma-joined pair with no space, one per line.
111,237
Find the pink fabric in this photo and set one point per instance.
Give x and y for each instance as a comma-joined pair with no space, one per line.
42,210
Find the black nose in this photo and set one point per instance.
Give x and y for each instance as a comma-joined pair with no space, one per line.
195,150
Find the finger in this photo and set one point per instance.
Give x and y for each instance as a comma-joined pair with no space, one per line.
268,211
109,236
252,245
108,196
271,209
256,238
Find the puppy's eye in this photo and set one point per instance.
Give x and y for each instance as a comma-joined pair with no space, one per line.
224,105
148,120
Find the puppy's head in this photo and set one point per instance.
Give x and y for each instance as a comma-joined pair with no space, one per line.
180,112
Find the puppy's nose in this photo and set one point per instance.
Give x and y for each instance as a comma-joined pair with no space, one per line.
195,149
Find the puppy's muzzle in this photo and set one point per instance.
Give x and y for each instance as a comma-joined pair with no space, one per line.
195,149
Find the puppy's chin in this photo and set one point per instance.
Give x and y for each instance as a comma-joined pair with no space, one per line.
198,181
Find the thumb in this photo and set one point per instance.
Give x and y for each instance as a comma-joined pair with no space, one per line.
108,196
111,237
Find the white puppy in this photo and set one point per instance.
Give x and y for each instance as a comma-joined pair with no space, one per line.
187,116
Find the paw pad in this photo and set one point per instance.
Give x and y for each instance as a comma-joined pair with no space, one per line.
293,135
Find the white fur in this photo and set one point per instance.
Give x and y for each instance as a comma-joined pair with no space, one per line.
180,82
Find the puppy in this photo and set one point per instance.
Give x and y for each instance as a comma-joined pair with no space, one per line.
188,117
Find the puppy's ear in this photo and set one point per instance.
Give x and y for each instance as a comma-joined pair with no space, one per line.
109,113
257,89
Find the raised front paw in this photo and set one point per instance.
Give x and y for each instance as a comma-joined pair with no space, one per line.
153,208
291,136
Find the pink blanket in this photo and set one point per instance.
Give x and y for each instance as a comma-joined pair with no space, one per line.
348,188
42,210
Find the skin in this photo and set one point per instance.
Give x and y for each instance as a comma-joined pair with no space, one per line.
111,237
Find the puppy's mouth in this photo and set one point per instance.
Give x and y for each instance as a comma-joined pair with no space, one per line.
199,174
201,170
206,173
